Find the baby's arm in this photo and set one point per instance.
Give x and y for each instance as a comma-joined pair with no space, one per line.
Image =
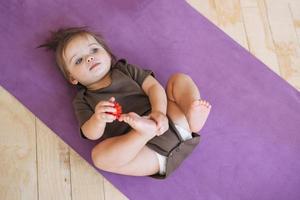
94,127
158,101
156,93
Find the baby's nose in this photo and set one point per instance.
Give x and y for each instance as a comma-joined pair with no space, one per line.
90,58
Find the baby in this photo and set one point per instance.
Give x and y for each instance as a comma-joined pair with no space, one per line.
157,129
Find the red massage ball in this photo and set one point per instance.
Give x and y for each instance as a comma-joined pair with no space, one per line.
118,112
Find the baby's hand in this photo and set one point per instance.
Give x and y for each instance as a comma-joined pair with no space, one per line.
102,110
161,120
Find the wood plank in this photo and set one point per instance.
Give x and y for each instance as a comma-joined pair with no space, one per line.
248,3
87,183
17,150
258,33
231,21
206,7
285,41
224,14
53,165
294,6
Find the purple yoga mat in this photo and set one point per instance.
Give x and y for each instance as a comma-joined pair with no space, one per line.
250,144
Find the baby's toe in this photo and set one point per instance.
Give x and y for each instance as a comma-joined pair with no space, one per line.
133,114
203,102
195,103
208,104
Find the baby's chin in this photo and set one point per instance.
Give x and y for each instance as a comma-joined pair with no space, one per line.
98,81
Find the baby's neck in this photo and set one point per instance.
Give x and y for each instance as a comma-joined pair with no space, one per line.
104,82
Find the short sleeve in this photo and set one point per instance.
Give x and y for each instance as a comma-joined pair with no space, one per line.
82,111
135,72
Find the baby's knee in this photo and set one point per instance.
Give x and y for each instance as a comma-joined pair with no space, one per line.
99,160
174,81
178,76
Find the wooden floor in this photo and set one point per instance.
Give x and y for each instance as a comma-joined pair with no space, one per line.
36,164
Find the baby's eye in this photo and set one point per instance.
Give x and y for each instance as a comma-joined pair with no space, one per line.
94,50
78,61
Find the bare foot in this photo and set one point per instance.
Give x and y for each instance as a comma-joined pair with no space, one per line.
143,125
197,114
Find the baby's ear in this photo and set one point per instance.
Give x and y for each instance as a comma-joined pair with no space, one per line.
73,80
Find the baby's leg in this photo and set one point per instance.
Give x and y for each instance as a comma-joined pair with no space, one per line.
182,91
144,164
121,151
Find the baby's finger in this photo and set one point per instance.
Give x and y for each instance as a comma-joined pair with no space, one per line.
105,103
156,119
160,132
166,128
106,116
112,99
110,117
161,121
106,109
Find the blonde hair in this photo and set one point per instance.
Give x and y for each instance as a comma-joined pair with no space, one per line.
59,40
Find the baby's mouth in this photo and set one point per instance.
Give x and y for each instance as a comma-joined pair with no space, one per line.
94,65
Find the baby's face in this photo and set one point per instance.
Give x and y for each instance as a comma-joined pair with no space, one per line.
86,60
